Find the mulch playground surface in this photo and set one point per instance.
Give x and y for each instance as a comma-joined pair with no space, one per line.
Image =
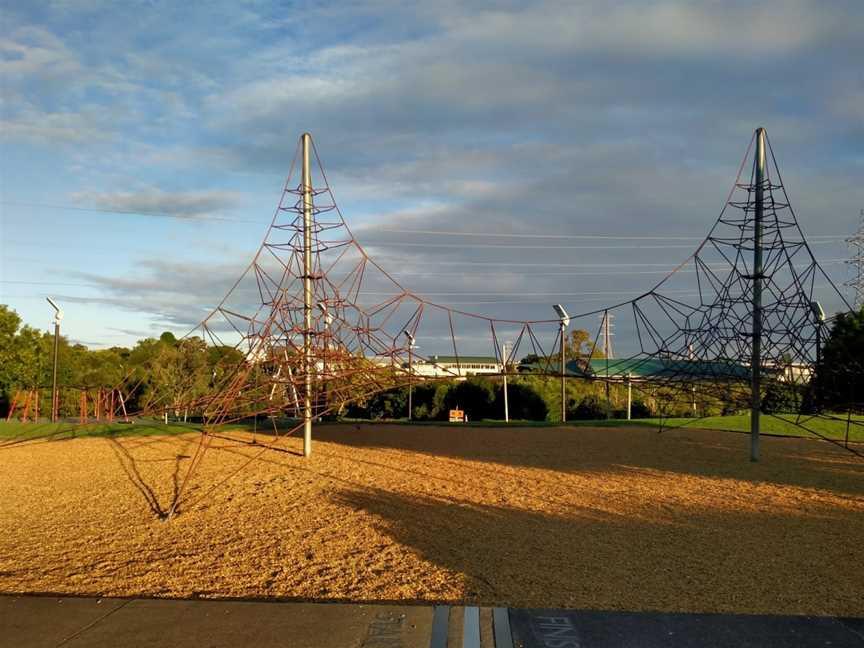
589,518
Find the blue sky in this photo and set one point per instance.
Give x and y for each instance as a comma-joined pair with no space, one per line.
179,121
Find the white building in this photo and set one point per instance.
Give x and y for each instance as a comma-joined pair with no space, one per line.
439,366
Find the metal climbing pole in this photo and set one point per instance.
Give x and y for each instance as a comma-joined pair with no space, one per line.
756,356
307,297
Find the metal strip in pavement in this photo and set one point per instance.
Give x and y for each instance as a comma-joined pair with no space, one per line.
440,623
501,627
471,628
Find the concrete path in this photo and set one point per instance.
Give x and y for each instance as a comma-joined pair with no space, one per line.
42,621
591,629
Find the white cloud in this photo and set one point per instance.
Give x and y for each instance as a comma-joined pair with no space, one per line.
28,123
653,29
549,117
30,52
188,204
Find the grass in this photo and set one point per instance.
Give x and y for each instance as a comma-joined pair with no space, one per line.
56,431
781,425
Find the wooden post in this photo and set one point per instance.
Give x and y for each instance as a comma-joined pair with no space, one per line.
123,405
12,405
26,409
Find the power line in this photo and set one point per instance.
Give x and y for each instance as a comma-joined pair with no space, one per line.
838,237
566,265
393,294
388,230
539,247
522,292
439,274
498,273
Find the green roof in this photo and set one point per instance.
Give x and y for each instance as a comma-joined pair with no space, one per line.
658,368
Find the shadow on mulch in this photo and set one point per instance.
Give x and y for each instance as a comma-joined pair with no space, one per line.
130,466
45,432
706,453
704,562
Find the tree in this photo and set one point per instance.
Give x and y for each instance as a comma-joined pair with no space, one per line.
781,398
524,402
9,359
640,409
428,399
839,378
25,356
577,345
475,396
590,408
390,404
180,371
26,360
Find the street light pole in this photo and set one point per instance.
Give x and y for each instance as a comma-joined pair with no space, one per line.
410,370
819,318
629,395
506,405
55,402
307,295
756,348
564,322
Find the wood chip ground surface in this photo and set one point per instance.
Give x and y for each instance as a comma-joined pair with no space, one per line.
542,517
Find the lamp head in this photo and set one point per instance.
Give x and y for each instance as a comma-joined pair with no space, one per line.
410,338
562,315
328,318
58,312
817,310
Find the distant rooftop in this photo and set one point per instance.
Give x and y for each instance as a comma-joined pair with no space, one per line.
657,368
645,368
452,359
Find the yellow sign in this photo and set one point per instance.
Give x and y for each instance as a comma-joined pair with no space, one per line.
457,416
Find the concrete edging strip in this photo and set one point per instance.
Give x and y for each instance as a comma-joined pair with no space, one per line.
501,627
440,623
471,628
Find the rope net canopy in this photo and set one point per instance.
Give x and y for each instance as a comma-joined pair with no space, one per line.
693,328
693,325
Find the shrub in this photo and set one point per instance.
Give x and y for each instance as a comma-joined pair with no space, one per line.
475,397
356,410
781,398
423,401
640,409
589,408
523,402
388,405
